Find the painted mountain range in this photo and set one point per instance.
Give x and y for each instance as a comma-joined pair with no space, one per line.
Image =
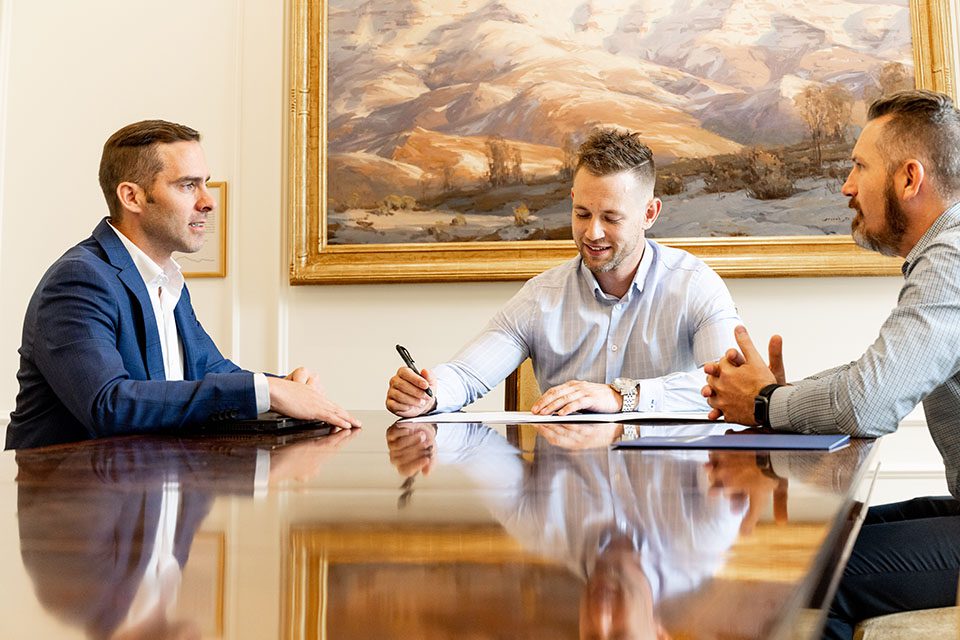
420,92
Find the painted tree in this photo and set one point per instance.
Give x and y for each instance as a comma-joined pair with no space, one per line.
497,161
516,166
504,162
813,110
894,77
569,146
826,112
839,107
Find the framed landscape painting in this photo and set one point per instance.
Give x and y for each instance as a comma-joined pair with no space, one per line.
435,141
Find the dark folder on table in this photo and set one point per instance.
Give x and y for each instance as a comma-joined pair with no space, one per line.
759,441
265,423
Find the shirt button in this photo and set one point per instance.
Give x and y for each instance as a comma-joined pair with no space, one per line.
613,348
617,306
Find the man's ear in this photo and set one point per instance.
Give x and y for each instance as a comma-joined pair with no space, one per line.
132,196
911,176
652,213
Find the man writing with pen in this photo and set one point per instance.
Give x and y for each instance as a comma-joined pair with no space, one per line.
624,326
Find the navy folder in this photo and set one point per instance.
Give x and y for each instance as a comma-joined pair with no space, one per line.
759,441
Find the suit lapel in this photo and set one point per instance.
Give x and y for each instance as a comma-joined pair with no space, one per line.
120,258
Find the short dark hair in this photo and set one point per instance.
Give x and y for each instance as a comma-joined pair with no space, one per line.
130,155
608,150
926,125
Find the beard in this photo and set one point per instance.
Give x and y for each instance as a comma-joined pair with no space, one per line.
619,252
887,240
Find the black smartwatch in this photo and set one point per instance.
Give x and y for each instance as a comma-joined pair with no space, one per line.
761,405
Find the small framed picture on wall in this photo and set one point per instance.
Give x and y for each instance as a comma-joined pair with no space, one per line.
211,260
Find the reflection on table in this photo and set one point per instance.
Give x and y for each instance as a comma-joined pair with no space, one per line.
433,531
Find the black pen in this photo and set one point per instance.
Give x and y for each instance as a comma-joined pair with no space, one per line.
408,360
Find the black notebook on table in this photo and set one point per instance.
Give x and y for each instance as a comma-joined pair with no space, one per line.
270,422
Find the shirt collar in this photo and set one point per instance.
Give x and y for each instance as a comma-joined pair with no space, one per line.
646,261
947,219
169,277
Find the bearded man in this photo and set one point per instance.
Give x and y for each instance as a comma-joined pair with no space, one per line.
905,187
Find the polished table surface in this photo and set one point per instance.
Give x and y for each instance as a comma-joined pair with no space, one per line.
454,531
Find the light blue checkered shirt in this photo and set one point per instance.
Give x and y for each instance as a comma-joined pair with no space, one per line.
916,357
676,316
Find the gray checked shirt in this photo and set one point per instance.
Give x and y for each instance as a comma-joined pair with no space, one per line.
676,316
915,358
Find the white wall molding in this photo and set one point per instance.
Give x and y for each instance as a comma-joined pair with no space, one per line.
236,203
6,35
283,269
261,294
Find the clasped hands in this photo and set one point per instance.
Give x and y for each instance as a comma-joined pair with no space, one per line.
736,379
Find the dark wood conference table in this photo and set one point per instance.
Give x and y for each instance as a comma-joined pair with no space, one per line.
446,531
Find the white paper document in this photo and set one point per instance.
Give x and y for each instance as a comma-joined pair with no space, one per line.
519,417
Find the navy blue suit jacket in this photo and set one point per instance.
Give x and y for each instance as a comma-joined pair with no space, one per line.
90,359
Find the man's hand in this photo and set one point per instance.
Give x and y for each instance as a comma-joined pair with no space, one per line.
407,394
307,377
576,435
775,351
300,395
578,395
735,380
412,448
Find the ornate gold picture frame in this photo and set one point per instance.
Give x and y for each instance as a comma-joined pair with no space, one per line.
314,260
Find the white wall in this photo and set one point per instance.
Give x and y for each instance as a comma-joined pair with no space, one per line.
6,25
78,71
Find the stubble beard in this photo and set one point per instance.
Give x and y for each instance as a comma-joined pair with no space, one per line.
619,254
169,236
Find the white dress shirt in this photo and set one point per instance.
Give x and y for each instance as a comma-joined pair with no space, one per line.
164,286
676,316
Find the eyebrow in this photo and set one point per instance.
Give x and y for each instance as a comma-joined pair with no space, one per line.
580,207
194,179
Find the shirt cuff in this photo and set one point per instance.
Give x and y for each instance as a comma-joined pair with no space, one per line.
262,389
778,414
442,394
651,395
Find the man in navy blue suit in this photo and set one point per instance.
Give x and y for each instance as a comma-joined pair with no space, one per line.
111,343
